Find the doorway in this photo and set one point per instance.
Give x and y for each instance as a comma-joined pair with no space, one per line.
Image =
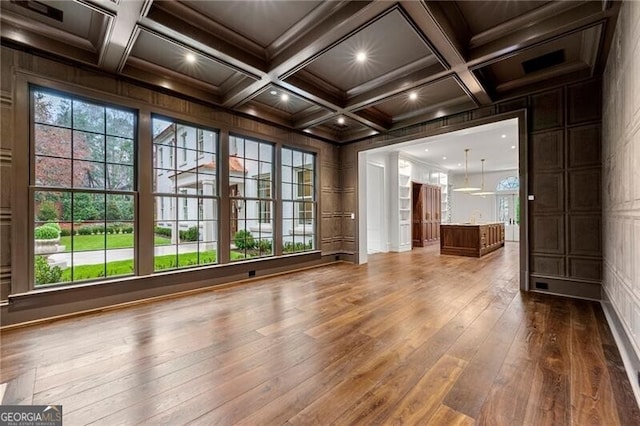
439,159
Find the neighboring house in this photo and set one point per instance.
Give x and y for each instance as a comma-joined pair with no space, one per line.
186,186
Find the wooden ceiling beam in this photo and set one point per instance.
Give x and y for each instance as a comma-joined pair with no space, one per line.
121,34
429,19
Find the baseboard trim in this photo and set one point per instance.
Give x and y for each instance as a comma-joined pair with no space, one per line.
565,287
45,306
630,358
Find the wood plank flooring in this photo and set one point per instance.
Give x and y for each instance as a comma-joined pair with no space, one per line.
411,338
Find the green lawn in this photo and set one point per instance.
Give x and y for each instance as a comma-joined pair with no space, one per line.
125,267
96,242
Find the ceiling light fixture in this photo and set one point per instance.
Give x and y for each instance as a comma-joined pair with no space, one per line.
413,96
190,57
513,147
426,149
482,191
273,92
361,56
444,158
340,120
466,187
504,136
284,97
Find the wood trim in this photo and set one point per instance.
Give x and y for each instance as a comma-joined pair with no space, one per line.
7,312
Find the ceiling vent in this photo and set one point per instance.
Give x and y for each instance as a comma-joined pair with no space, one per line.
41,8
542,62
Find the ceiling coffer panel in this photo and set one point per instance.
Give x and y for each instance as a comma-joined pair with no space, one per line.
262,22
573,53
162,52
431,100
388,43
482,15
283,100
341,128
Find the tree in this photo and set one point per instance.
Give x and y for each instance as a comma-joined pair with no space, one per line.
47,212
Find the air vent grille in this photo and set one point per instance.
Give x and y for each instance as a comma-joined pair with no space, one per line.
542,62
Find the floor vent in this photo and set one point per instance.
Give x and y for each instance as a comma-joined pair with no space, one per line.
542,286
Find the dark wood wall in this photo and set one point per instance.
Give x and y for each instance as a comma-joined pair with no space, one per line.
565,168
563,173
18,66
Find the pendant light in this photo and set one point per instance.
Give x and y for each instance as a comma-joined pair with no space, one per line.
482,191
466,187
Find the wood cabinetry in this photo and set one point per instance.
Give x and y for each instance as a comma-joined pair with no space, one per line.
471,240
427,209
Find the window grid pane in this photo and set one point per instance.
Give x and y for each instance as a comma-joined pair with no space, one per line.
83,207
186,195
251,195
299,203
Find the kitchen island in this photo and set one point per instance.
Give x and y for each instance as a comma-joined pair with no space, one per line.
468,239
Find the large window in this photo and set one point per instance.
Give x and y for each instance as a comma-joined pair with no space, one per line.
298,201
83,180
186,233
251,198
83,189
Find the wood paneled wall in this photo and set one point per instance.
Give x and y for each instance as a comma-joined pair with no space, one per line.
16,62
563,172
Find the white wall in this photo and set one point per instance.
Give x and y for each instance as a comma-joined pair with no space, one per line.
464,205
621,175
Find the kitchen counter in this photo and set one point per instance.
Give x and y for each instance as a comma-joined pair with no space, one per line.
471,239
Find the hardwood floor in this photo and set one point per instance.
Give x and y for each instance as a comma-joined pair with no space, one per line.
412,338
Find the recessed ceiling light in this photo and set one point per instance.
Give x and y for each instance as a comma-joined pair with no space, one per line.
190,57
513,147
426,149
504,136
361,56
340,120
284,97
444,158
459,164
273,92
413,96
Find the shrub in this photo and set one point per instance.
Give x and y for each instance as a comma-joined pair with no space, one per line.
53,225
97,229
45,233
85,230
65,233
165,232
244,240
190,234
47,212
290,247
264,246
45,273
127,230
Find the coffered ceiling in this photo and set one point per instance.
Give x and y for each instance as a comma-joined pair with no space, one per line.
341,70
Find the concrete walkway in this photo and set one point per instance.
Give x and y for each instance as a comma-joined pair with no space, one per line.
97,256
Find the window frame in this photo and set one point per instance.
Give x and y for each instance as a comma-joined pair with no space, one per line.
72,190
299,201
181,195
